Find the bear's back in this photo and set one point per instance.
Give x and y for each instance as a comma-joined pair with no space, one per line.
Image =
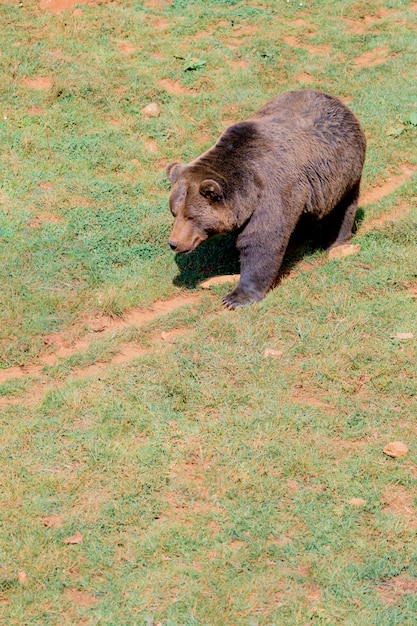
306,141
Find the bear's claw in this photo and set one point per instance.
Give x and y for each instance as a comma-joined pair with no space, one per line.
237,298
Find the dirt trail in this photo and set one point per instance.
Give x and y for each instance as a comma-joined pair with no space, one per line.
64,348
392,183
105,326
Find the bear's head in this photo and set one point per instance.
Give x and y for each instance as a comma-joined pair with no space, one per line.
199,205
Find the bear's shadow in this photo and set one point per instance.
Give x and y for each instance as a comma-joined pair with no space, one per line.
218,256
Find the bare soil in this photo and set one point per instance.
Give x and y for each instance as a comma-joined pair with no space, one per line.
400,502
392,182
59,6
174,87
296,42
38,82
393,589
372,58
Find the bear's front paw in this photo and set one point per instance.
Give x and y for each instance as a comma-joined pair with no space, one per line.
236,298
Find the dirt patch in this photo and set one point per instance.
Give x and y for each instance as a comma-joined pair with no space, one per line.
174,87
348,445
163,307
393,589
372,58
397,213
323,50
158,56
34,110
362,26
412,289
203,34
239,65
44,218
392,182
151,146
40,83
52,521
245,29
294,42
5,402
59,6
155,4
81,598
305,398
127,48
160,24
300,23
64,348
400,502
304,77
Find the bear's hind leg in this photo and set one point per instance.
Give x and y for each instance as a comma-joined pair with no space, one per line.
338,225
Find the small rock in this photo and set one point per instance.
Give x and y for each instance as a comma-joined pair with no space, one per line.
396,449
345,250
218,280
357,502
275,354
402,336
22,578
151,110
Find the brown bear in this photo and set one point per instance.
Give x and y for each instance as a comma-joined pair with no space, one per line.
300,154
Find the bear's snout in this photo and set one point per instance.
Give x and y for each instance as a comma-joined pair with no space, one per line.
184,236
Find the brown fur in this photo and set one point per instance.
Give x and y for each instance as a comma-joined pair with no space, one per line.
302,153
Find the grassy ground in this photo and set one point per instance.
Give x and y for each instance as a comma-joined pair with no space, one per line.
199,482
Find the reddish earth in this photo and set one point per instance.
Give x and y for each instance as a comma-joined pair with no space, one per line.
400,502
38,82
34,110
157,3
210,31
368,22
304,77
174,87
52,521
127,48
59,6
395,214
306,398
239,65
392,182
151,146
392,590
296,42
372,57
80,597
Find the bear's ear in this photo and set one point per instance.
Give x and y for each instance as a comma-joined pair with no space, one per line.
211,190
174,170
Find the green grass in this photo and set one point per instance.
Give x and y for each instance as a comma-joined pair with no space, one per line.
211,485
